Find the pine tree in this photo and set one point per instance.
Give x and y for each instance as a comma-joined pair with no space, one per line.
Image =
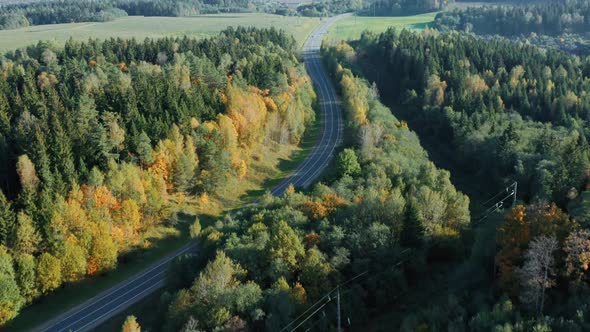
183,173
7,219
144,149
412,234
62,152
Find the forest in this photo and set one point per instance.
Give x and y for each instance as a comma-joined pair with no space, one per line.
372,7
402,7
500,112
268,263
561,24
548,18
101,141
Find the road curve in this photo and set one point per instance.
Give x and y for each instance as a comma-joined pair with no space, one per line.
105,305
331,115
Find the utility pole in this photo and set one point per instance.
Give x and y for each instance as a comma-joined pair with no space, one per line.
514,194
338,306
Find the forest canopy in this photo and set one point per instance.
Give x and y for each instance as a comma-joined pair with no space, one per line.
561,24
547,17
99,140
497,112
268,263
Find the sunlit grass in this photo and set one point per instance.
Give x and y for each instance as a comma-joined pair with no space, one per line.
351,27
140,27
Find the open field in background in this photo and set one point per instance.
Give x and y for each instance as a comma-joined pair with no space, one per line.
352,27
141,27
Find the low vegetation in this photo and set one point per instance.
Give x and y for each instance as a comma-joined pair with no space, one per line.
352,27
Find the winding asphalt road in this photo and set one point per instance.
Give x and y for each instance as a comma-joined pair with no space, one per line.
331,115
97,310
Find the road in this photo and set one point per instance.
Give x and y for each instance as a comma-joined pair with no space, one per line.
107,304
331,115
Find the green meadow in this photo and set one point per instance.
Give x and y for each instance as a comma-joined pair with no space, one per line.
351,27
141,27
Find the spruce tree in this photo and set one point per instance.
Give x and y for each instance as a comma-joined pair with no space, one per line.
412,234
7,219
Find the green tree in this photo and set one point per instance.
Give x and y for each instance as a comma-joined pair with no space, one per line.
144,149
95,178
286,245
48,273
7,219
73,261
315,273
279,306
195,229
217,294
412,234
26,277
27,239
10,298
348,163
184,171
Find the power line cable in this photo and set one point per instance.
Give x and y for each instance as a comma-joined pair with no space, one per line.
497,205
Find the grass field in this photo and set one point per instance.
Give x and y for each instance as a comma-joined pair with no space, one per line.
351,27
141,27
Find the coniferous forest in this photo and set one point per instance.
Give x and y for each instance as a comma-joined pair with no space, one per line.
560,24
546,17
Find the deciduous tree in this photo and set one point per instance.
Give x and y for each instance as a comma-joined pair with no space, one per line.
536,274
26,277
48,273
27,239
130,325
73,261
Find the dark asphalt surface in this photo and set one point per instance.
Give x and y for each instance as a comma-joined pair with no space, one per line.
112,301
97,310
331,115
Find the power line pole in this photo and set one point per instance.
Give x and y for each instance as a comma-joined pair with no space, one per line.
514,194
338,306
